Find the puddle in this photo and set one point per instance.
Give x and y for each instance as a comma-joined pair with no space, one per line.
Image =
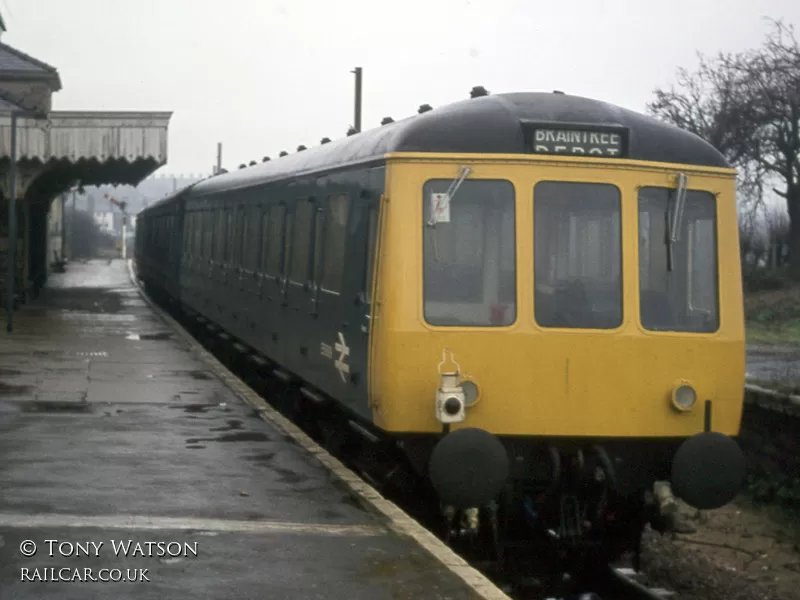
232,425
164,335
290,476
264,458
194,374
195,446
6,389
242,436
193,408
330,514
54,406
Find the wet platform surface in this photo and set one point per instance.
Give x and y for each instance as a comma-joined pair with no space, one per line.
112,432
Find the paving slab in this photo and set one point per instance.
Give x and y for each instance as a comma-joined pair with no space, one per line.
113,432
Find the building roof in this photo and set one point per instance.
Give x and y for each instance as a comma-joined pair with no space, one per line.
486,125
16,64
94,147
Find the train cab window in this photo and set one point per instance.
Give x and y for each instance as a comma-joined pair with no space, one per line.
577,255
301,240
335,238
469,247
272,264
678,288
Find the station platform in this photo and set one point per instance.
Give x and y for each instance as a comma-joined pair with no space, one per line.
125,455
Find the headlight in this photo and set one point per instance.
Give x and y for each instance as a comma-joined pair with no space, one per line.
471,392
684,397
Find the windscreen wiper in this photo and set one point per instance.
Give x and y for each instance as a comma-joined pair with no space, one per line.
674,221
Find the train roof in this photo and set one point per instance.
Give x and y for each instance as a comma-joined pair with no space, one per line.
497,124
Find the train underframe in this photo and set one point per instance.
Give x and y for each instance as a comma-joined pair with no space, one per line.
566,504
567,509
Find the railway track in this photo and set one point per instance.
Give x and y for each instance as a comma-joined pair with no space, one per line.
617,583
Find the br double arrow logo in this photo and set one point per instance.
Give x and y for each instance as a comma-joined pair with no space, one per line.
341,362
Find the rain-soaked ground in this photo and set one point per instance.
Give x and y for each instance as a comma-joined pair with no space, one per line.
112,430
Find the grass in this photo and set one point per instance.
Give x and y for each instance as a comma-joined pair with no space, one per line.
773,316
785,333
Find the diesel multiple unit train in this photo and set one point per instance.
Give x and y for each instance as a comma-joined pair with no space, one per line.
533,298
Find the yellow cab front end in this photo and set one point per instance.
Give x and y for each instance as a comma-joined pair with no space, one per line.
552,283
572,292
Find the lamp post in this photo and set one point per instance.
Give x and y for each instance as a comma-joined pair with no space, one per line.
357,123
11,266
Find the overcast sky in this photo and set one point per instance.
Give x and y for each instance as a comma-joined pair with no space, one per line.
266,75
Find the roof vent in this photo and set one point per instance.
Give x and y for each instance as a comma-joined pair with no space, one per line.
478,91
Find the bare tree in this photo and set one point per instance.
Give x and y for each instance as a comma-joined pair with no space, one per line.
747,105
708,103
772,76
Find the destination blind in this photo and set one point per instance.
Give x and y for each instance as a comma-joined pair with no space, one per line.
577,141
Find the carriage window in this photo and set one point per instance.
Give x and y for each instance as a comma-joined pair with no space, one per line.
208,234
239,236
469,251
303,222
219,235
372,234
265,239
252,238
287,242
187,234
335,238
192,233
317,266
198,233
684,298
229,235
577,255
277,213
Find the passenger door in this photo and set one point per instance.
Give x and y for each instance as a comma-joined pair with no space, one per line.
352,342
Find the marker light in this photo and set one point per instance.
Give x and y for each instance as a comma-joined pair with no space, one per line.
471,392
684,397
